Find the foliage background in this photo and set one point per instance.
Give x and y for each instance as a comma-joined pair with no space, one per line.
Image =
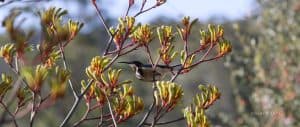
259,82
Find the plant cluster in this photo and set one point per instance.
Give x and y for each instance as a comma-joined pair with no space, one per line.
103,89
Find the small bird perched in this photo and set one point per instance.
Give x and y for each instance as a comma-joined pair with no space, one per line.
145,72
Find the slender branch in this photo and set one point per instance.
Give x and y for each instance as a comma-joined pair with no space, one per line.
143,5
17,64
32,116
10,98
134,48
83,118
143,11
101,17
130,3
147,114
62,53
149,55
199,62
101,118
75,105
141,123
110,110
11,115
202,59
168,122
108,45
156,117
207,52
116,51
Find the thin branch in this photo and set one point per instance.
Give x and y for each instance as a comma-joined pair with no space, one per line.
143,11
101,118
110,110
62,53
149,55
75,105
83,118
130,3
143,5
168,122
199,62
202,59
116,51
32,116
108,45
141,123
101,17
11,115
134,48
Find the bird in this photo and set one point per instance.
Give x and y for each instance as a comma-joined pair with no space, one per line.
146,73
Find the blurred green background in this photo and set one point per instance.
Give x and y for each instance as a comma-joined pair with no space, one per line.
259,80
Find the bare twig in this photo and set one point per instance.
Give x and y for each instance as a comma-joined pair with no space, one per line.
111,111
62,53
10,114
168,122
141,123
149,55
75,105
143,5
32,109
101,17
117,50
83,118
143,11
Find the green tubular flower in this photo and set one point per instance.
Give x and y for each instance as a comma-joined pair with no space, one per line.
207,97
142,35
35,77
7,52
195,117
59,83
126,104
224,47
169,94
166,37
98,64
5,84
